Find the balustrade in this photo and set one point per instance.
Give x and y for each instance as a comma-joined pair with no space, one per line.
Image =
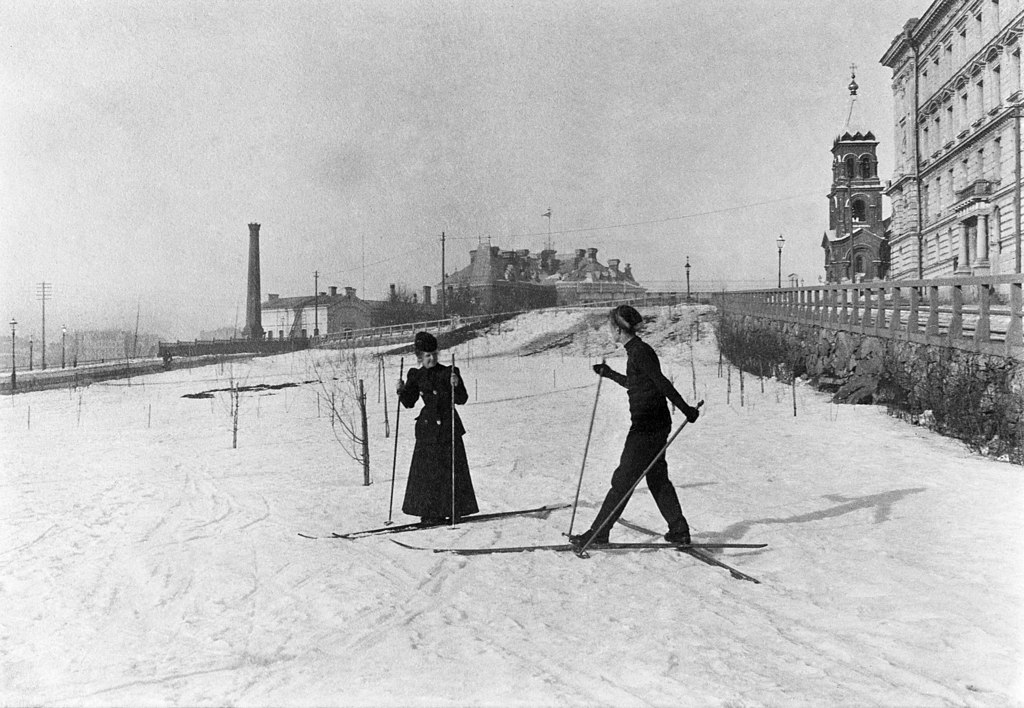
981,314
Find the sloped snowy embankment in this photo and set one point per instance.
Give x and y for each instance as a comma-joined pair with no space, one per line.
145,562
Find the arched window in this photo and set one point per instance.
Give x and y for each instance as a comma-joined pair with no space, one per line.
859,265
859,210
865,167
849,162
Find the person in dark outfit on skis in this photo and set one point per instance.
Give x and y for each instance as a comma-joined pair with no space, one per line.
428,493
651,423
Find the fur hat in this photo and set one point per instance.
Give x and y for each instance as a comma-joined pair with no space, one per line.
626,318
425,342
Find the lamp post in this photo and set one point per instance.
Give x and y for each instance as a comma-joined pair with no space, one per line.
14,366
30,352
780,241
63,334
687,278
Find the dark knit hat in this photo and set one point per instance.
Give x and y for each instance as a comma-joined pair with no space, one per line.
625,318
425,342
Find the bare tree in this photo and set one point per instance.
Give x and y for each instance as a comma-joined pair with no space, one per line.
338,379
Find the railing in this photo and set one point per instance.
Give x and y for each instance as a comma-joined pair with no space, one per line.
978,314
978,188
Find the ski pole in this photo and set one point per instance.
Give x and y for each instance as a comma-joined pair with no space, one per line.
394,460
453,438
582,551
590,430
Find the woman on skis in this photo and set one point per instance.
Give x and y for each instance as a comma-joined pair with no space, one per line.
428,493
650,424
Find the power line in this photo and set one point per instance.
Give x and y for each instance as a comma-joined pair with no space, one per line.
670,218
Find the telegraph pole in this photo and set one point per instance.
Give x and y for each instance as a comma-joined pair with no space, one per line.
444,280
43,292
316,303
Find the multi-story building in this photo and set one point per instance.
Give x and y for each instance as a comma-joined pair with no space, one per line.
956,187
500,281
856,246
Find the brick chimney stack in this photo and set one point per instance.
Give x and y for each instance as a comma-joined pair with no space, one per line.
253,314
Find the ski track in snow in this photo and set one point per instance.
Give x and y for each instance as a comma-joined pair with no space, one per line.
145,561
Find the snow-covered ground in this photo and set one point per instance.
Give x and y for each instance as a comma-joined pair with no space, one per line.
143,561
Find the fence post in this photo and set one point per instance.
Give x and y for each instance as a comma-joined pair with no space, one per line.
912,315
880,313
983,329
854,306
897,309
844,313
866,317
956,323
1014,336
932,328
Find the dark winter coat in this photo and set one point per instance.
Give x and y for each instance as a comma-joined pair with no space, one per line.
646,387
428,491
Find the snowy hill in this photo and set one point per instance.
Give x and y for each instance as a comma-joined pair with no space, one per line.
146,562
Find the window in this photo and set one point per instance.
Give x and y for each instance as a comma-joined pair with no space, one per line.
981,163
938,196
997,159
859,265
849,162
997,86
859,210
949,60
925,145
951,186
951,125
1015,79
980,96
865,167
965,118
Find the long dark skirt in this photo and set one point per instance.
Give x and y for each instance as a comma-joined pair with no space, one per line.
428,491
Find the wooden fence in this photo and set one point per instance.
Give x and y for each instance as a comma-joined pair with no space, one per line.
977,314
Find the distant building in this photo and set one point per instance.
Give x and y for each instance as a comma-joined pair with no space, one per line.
856,246
498,280
956,187
332,312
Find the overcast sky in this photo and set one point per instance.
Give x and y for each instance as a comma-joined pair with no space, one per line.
140,139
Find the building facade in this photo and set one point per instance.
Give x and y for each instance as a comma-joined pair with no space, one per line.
956,187
499,280
856,246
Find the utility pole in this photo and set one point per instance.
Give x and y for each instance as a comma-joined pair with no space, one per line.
43,292
444,281
548,215
316,303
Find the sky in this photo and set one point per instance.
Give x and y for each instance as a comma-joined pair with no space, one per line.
139,140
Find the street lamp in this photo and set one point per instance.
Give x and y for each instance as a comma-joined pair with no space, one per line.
687,278
14,376
780,241
63,334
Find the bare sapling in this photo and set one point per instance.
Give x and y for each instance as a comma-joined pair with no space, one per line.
339,382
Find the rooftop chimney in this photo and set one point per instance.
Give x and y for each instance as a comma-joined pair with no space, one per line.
253,314
350,292
334,290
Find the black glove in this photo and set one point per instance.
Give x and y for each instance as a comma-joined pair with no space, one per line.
602,369
691,413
